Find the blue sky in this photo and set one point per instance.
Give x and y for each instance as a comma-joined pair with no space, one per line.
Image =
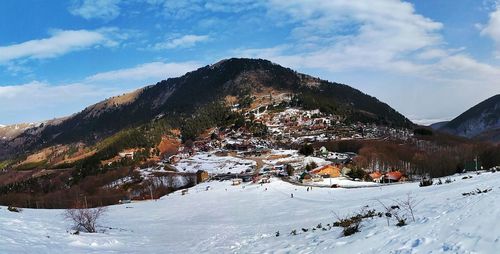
430,60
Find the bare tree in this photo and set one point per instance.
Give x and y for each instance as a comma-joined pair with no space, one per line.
85,219
409,204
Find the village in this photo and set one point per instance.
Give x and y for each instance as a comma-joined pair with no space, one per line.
238,156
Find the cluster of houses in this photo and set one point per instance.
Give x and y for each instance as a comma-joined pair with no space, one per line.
294,125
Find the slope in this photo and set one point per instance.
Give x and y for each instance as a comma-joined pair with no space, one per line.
233,219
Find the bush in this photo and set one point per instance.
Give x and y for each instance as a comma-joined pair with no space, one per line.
357,173
425,182
401,222
85,218
477,191
351,230
14,209
352,224
306,149
311,166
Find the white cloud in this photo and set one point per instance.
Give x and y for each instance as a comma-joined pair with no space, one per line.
492,29
37,101
385,48
59,43
154,70
182,9
344,34
186,41
96,9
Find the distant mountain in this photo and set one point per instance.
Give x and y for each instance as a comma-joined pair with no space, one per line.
438,125
480,122
232,80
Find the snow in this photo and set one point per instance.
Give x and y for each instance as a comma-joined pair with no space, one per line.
214,164
244,219
319,161
342,182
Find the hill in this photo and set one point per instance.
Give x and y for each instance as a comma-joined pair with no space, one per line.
481,121
209,91
223,218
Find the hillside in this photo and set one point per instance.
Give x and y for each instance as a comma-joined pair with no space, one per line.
481,121
176,99
233,219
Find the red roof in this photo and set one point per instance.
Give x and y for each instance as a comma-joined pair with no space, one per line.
376,175
394,175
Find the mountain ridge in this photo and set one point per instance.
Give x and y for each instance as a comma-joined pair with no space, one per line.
180,97
481,121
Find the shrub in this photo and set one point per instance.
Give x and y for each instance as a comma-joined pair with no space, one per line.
347,231
306,149
14,209
425,182
357,173
401,222
85,218
477,191
352,224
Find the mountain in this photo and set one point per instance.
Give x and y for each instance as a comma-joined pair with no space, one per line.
480,122
232,81
438,125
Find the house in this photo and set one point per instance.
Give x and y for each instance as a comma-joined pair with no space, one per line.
127,154
328,171
393,176
306,177
237,181
377,176
265,180
201,176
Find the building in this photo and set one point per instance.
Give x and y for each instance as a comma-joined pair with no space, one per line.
201,176
393,176
127,154
328,171
377,176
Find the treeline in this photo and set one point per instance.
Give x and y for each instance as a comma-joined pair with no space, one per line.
53,191
145,138
420,157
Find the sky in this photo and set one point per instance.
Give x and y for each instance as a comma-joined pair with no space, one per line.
430,60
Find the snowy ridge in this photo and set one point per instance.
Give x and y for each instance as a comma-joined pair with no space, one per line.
244,219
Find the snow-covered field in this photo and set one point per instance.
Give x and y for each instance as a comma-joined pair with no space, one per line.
244,219
342,182
214,164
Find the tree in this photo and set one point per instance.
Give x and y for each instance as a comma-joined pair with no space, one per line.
289,170
306,149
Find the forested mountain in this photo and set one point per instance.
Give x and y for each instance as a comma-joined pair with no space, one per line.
205,91
481,121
